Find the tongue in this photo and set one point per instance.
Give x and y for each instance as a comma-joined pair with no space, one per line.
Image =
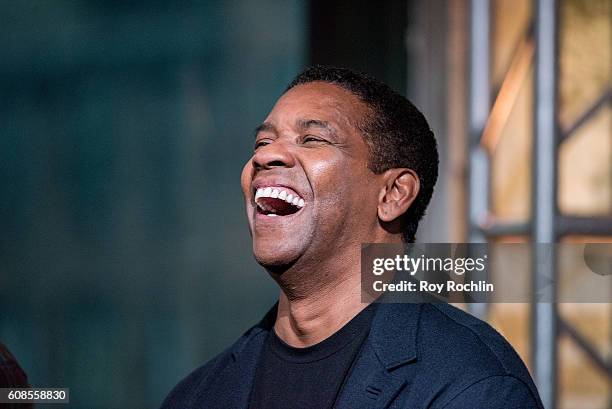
277,206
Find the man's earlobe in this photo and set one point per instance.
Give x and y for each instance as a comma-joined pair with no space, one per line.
401,189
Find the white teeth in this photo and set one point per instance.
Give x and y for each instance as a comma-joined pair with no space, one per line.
273,215
277,193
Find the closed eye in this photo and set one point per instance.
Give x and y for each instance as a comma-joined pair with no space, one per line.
260,143
313,139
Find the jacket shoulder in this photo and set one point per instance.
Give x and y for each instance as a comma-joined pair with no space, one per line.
185,393
191,390
470,353
188,391
468,335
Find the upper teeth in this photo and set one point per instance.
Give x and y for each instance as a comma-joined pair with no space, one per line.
279,193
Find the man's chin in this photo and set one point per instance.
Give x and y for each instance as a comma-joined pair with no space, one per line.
273,263
276,259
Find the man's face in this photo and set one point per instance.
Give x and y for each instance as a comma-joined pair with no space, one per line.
308,189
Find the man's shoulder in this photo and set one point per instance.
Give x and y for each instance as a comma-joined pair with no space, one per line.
466,340
462,355
188,391
191,390
445,327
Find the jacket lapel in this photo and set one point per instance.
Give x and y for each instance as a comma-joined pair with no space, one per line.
370,385
377,376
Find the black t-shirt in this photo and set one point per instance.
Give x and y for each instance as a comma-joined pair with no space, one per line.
311,377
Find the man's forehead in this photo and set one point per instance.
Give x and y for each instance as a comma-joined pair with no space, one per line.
300,123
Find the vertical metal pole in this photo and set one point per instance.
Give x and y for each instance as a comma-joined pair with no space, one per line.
479,106
544,207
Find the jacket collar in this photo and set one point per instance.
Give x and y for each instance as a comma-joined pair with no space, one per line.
391,322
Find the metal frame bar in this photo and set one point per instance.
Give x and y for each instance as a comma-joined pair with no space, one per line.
587,226
544,206
589,350
603,100
479,106
564,226
498,229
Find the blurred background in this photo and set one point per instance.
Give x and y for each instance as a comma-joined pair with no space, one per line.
125,259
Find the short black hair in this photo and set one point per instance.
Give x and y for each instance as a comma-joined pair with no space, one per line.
396,132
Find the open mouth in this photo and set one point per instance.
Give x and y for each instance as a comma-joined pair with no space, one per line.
277,201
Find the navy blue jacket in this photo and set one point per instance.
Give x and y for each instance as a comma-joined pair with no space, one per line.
416,356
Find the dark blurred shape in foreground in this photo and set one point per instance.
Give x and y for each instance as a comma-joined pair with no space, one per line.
12,376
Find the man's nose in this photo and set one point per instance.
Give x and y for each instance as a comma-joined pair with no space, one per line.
275,154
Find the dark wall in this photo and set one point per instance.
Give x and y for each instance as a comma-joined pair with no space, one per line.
125,258
363,35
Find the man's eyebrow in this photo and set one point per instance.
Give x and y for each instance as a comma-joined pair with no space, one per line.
265,127
315,123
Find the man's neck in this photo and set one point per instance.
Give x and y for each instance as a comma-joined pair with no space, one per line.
306,321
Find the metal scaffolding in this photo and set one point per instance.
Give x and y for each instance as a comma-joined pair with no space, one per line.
540,43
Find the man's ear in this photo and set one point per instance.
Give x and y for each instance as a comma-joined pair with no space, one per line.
401,188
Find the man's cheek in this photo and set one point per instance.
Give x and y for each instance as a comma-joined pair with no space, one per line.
324,163
246,178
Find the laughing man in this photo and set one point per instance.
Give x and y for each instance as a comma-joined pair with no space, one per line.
343,160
